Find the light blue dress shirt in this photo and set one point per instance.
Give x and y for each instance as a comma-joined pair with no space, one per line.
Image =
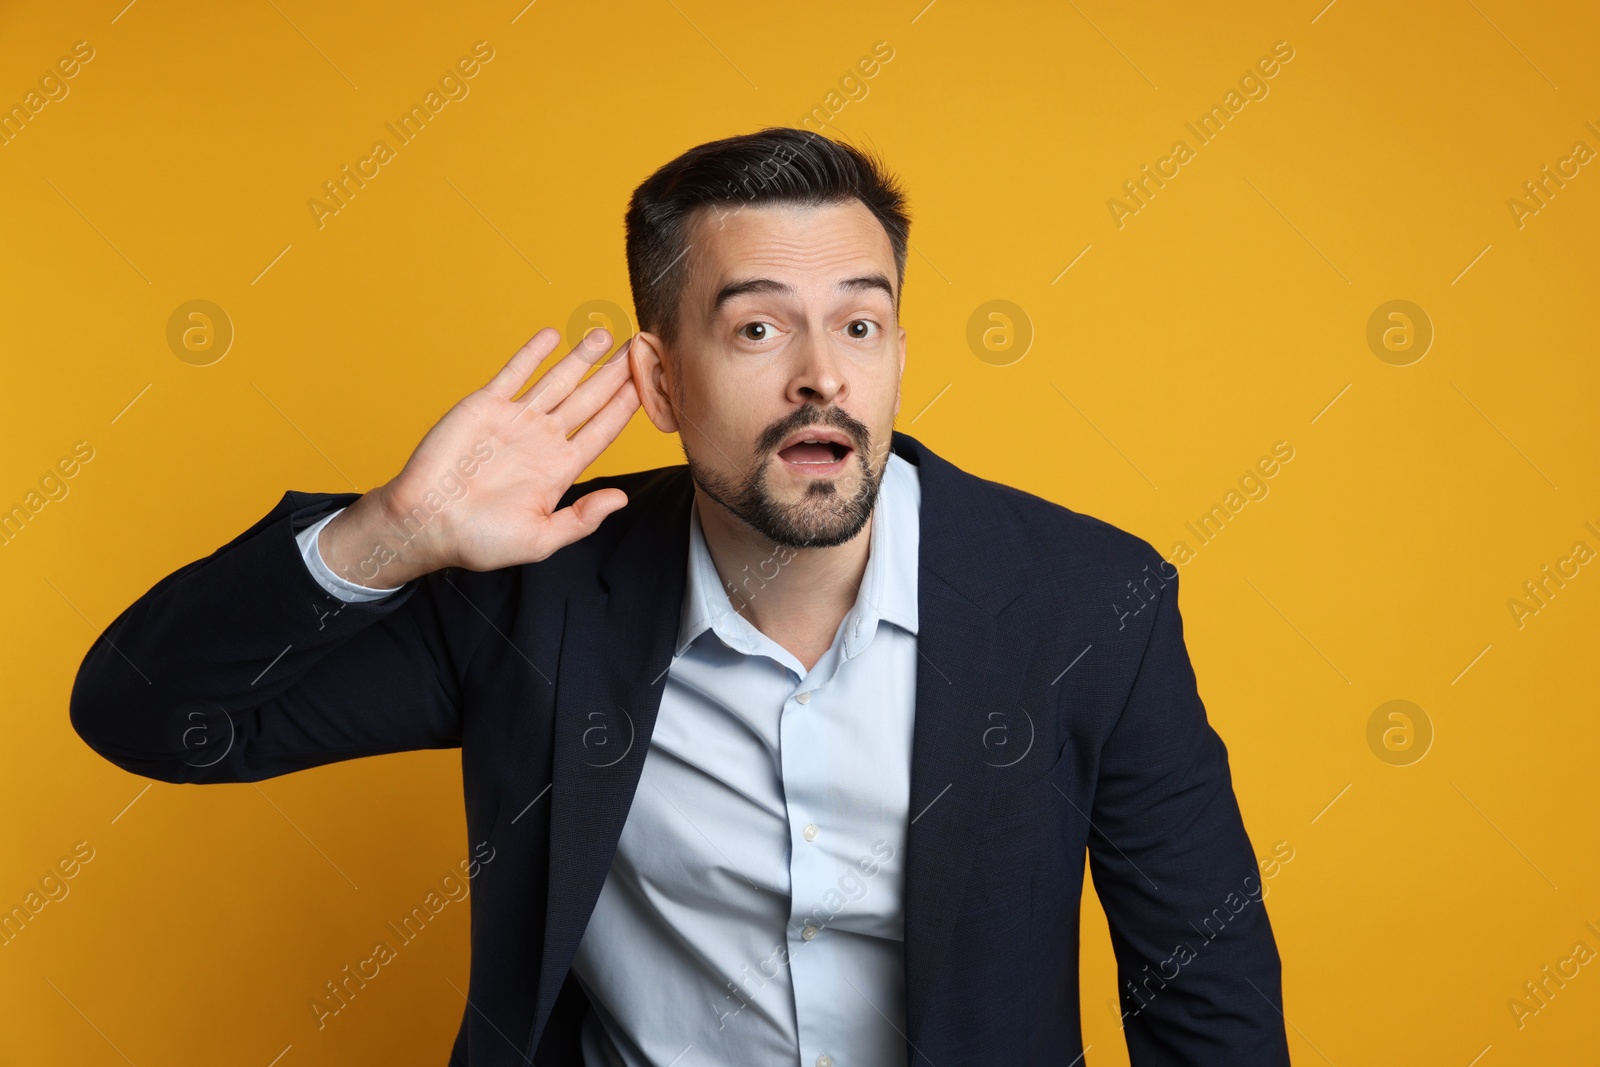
753,913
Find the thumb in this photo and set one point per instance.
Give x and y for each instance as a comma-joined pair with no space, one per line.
584,515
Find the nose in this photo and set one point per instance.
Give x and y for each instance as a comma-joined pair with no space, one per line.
818,376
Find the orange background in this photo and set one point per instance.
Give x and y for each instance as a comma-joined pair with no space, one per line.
1229,313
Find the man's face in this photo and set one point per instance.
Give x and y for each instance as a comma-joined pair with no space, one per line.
787,332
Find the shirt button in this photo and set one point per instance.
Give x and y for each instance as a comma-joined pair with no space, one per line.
804,698
809,932
810,831
824,1060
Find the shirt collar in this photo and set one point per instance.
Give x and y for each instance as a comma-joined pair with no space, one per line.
888,586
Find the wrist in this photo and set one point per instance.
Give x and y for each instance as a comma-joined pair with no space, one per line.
371,544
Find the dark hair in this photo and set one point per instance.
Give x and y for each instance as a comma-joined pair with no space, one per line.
772,166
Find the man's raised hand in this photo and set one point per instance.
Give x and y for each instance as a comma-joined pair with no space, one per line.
523,453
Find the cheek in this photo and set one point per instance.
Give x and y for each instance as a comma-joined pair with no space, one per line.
731,404
878,390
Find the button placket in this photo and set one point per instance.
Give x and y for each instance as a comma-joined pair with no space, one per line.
809,872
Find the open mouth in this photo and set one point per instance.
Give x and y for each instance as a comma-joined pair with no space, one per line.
816,457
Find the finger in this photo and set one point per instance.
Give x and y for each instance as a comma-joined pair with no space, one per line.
558,381
515,373
593,392
583,516
607,423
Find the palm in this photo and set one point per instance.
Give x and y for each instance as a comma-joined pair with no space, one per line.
522,454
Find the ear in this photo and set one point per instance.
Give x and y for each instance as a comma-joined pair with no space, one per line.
652,379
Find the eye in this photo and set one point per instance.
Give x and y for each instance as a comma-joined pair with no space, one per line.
756,331
861,329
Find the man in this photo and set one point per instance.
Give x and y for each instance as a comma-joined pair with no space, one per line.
790,755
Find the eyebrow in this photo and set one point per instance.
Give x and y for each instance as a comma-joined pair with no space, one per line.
753,285
865,282
769,285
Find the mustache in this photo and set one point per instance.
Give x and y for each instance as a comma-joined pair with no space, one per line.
807,417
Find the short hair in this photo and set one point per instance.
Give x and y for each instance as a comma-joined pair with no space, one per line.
776,165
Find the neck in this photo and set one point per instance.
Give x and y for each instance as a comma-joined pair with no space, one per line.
796,596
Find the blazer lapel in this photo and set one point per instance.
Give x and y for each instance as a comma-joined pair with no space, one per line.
967,666
616,647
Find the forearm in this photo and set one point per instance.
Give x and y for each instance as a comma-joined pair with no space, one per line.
199,679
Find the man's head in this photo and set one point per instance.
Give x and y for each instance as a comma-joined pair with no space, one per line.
766,273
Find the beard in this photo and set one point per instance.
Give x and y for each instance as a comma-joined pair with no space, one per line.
821,518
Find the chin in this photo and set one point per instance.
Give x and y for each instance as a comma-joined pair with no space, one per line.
818,512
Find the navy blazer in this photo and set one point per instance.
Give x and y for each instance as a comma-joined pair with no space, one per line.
1056,712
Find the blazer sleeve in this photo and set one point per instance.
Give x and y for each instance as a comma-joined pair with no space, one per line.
240,666
1197,968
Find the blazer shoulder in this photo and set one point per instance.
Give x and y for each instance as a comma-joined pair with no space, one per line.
624,480
1065,537
647,490
572,567
653,495
1072,574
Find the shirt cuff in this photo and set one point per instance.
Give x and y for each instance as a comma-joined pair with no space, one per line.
339,587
